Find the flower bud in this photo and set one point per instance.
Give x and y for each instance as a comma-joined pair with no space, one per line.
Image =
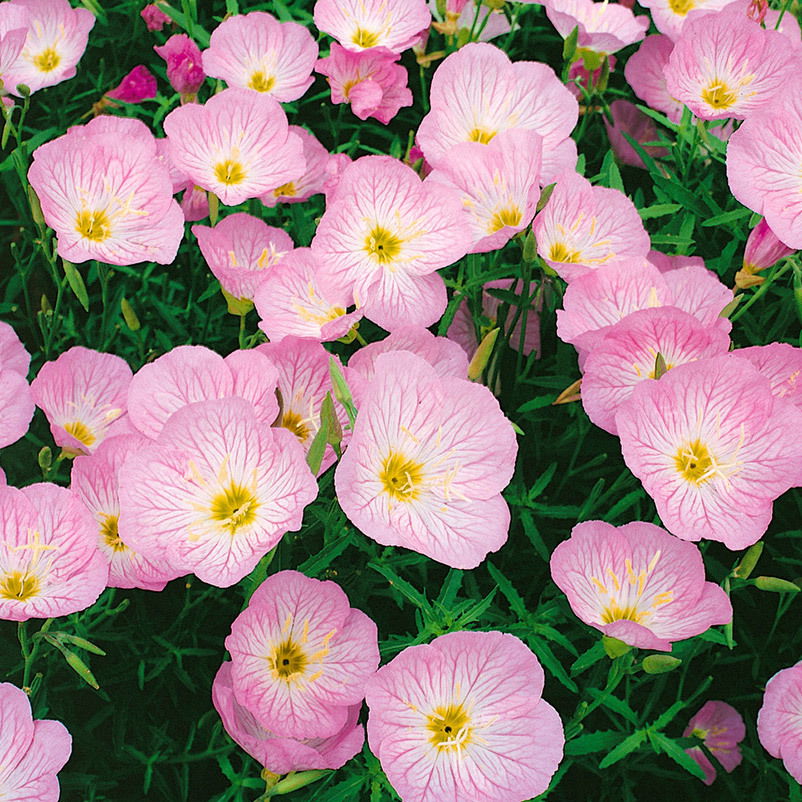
154,17
763,249
184,64
138,85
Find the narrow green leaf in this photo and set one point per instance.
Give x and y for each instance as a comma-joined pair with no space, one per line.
401,585
626,747
590,742
317,449
662,743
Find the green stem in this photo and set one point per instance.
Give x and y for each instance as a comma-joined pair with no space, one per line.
30,649
776,272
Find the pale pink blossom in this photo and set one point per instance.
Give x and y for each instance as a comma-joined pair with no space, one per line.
14,21
301,655
644,73
50,564
778,720
241,250
470,21
630,120
427,462
371,81
237,145
710,444
13,355
138,85
311,181
16,401
781,364
194,203
721,728
603,27
32,751
383,236
362,24
215,493
638,583
82,393
280,754
670,16
184,64
462,718
256,51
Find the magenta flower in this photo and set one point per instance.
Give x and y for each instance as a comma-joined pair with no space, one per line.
296,298
237,145
644,72
626,357
726,65
721,728
136,86
184,64
280,754
362,24
462,718
50,564
383,236
31,752
499,184
82,393
94,480
311,182
478,92
637,583
107,195
427,473
710,444
301,655
584,228
194,203
371,81
256,51
191,373
241,250
603,27
778,719
154,17
629,119
216,492
56,40
781,364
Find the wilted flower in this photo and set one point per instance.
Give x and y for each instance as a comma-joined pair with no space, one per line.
763,249
154,17
721,728
184,64
629,119
136,86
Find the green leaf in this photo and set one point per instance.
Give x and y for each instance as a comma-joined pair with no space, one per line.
590,742
507,589
551,663
658,210
317,449
569,45
74,662
401,585
662,743
615,704
588,658
626,747
726,217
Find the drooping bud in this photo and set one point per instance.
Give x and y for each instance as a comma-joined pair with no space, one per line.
763,249
184,65
757,10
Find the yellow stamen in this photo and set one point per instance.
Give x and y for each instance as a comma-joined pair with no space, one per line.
81,432
234,508
109,533
19,586
94,226
229,172
694,463
401,477
560,252
261,82
296,424
287,660
719,95
481,135
511,216
47,60
450,727
365,38
382,245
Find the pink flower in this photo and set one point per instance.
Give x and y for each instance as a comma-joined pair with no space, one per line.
303,381
16,402
138,85
296,298
670,16
446,357
763,248
13,355
726,65
280,754
427,462
154,17
626,357
781,364
241,250
56,40
478,92
194,203
363,24
216,492
710,444
462,718
721,728
94,480
311,181
107,195
603,27
50,564
184,64
629,119
14,21
370,80
586,228
191,373
238,145
637,583
778,719
301,655
256,51
383,236
499,185
644,72
31,752
82,393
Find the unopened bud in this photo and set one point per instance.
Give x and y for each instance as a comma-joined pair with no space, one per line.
237,306
763,248
660,663
482,355
129,315
45,458
775,584
748,562
757,10
614,647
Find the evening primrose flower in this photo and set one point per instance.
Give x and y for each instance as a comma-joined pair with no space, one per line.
603,27
781,364
721,728
778,720
16,402
462,718
637,583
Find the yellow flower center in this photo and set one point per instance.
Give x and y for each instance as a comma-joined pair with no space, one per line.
19,586
401,477
719,95
481,135
287,660
234,508
382,245
681,7
109,533
229,172
694,463
449,727
560,252
81,432
511,216
261,82
615,612
285,190
365,38
94,226
47,60
296,424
